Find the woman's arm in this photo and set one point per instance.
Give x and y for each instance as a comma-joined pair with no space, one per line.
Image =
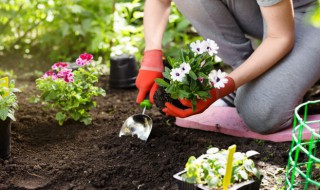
156,14
279,41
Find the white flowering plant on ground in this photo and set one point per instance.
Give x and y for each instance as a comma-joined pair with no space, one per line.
209,169
192,75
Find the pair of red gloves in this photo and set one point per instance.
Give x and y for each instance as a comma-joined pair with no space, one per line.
152,68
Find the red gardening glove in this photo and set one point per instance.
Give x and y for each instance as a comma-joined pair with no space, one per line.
151,68
201,104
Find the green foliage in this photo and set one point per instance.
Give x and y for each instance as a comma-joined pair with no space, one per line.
129,29
7,73
178,33
63,29
8,101
71,100
315,17
209,169
59,28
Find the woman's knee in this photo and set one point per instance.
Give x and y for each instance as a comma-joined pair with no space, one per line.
263,123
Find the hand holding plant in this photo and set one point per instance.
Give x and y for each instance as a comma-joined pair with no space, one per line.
70,92
193,80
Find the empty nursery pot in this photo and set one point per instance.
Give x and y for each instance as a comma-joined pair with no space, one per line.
5,138
123,71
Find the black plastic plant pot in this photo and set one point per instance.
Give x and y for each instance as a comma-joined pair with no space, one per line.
123,71
5,138
247,185
161,97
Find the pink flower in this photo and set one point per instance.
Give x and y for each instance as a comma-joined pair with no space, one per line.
66,75
201,79
84,59
51,74
69,77
59,65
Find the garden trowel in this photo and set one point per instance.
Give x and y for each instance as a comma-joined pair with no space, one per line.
139,124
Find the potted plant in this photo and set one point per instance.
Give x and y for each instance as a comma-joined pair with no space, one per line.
70,90
8,105
208,170
191,76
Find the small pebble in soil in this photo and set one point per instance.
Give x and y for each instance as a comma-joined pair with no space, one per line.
37,167
135,182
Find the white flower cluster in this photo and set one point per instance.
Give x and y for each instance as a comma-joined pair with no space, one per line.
177,74
217,78
206,46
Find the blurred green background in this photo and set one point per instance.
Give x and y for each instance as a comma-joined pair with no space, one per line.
60,30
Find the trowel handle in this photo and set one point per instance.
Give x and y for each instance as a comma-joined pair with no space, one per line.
146,103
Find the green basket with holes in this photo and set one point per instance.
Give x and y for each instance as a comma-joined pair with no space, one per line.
303,168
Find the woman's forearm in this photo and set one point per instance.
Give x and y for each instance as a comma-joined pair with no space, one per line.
279,41
156,14
263,58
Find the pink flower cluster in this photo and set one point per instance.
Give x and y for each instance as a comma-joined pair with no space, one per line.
84,59
60,70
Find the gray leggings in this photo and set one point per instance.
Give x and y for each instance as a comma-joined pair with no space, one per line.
267,103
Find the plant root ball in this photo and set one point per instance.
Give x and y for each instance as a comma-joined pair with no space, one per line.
161,97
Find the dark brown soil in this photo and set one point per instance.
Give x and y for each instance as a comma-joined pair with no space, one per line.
73,156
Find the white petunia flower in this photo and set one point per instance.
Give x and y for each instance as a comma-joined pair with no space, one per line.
177,74
218,78
210,46
198,47
185,67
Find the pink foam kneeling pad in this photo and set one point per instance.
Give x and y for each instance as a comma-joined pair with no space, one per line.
227,121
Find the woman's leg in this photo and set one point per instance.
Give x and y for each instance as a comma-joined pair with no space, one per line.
267,103
226,22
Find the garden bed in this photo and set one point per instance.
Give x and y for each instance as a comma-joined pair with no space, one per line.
73,156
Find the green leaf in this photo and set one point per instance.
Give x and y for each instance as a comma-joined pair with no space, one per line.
86,120
201,74
170,61
182,55
170,89
183,24
161,82
166,73
75,8
4,113
60,117
193,85
183,94
193,75
75,115
203,94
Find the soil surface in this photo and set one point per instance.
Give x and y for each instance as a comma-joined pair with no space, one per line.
73,156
